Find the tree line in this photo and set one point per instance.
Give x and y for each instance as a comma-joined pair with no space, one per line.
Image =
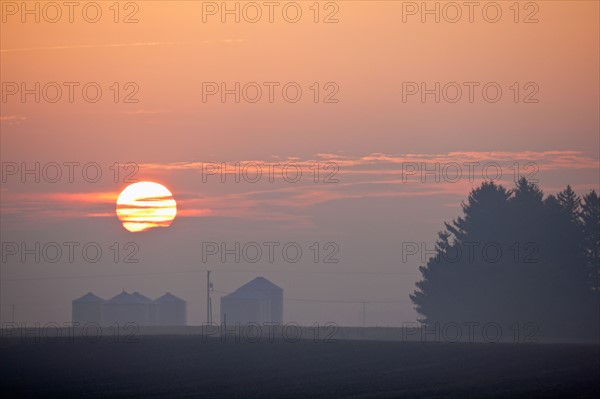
515,256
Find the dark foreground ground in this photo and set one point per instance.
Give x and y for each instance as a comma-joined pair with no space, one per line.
182,367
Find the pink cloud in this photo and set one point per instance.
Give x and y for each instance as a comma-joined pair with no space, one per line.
371,176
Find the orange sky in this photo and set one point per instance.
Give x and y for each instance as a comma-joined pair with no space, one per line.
366,56
369,53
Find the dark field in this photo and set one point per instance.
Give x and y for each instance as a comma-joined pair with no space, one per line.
182,367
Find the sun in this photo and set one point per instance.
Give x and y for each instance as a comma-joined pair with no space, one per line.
144,205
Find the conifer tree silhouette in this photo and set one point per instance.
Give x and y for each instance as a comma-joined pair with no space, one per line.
517,257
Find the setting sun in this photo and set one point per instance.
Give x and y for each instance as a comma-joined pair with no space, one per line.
144,205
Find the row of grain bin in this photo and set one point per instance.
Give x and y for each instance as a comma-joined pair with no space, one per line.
168,310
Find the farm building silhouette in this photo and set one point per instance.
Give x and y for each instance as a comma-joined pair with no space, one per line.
259,301
168,310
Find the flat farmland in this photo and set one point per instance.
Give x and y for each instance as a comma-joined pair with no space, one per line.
190,367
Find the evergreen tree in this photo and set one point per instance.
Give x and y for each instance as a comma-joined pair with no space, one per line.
590,217
570,203
547,246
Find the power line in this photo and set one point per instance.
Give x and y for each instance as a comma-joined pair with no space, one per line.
204,271
340,301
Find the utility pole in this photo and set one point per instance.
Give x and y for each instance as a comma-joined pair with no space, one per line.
364,315
208,304
13,313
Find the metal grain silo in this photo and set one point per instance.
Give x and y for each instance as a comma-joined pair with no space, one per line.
172,311
126,308
87,309
152,308
258,301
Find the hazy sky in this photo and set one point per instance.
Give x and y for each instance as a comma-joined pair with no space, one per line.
367,129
